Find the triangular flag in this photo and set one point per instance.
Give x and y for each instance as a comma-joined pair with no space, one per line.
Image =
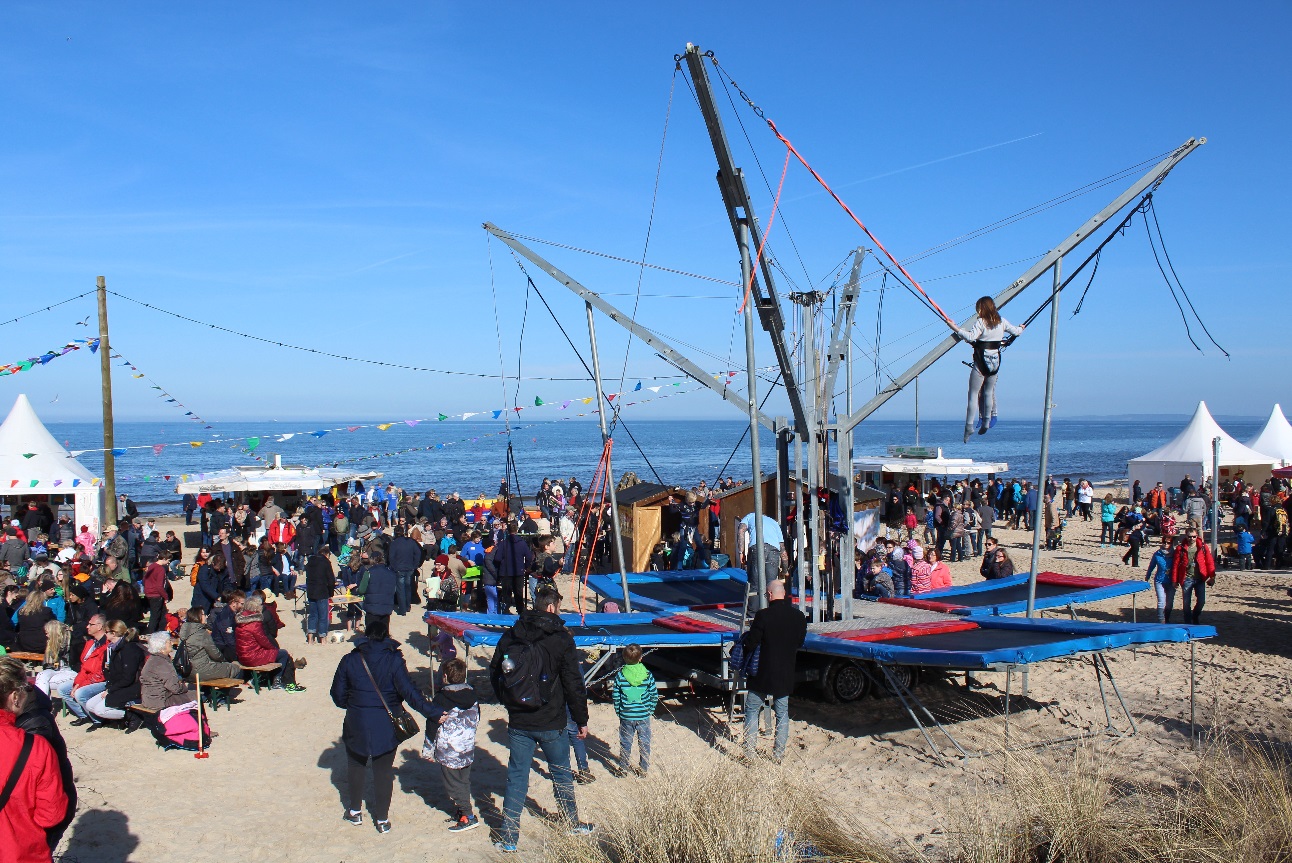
183,477
639,386
441,417
136,376
586,401
655,389
94,346
253,442
34,483
518,408
469,414
611,396
28,455
319,433
286,437
195,443
157,448
75,483
57,483
353,428
497,414
385,426
538,403
13,483
565,404
167,477
118,452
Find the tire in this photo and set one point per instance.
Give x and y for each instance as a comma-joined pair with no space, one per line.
844,681
907,675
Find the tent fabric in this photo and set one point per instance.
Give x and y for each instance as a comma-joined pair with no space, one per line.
271,478
23,434
1190,453
1275,439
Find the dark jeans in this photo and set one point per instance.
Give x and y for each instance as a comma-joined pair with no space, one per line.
403,582
556,751
1132,556
383,782
287,674
1107,532
510,594
317,619
157,618
188,517
457,786
1197,587
580,747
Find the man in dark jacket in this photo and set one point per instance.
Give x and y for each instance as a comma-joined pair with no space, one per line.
377,586
320,581
223,621
543,726
511,557
405,558
777,633
430,509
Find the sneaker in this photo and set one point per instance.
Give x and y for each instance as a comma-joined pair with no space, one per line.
467,822
382,826
983,430
639,771
991,423
353,816
581,829
584,777
505,847
457,816
294,687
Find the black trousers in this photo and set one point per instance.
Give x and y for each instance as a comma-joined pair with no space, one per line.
157,607
511,592
383,781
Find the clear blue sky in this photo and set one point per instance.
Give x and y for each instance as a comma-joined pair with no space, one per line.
318,173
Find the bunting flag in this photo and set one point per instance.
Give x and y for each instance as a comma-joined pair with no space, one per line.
24,365
565,404
29,455
638,387
497,414
169,398
157,448
385,426
252,443
538,403
195,443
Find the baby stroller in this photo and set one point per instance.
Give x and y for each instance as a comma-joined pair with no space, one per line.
1054,541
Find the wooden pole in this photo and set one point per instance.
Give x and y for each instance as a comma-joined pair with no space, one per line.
201,750
105,373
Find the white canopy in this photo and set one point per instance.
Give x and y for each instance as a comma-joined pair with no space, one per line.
1190,453
1276,438
272,477
34,464
940,465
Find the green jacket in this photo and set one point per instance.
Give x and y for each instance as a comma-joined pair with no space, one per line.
634,693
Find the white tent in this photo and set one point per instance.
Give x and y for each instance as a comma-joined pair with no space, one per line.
1275,439
1190,453
33,465
275,477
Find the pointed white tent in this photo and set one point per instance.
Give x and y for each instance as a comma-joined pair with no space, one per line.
33,465
1275,439
1190,453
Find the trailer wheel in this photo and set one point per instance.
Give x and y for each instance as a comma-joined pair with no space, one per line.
907,675
844,681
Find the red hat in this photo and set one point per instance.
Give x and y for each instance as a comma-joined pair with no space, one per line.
443,558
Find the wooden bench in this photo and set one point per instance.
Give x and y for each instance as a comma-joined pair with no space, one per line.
267,670
38,658
219,689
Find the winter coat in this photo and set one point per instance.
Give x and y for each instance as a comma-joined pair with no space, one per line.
512,556
207,660
455,737
91,661
1159,568
253,646
939,576
320,578
15,551
38,801
546,632
778,632
31,629
207,589
223,625
160,686
378,590
124,662
405,554
38,719
1206,564
155,581
1107,512
367,729
634,694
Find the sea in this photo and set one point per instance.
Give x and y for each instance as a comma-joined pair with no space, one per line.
471,456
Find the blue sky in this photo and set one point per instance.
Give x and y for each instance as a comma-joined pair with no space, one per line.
318,173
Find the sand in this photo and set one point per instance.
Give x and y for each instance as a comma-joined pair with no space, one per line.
271,789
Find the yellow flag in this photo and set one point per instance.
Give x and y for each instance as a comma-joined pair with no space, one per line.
195,443
385,426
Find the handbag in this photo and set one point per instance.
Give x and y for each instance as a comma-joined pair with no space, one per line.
405,724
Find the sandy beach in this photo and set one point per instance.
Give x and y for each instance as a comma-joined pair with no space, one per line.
271,788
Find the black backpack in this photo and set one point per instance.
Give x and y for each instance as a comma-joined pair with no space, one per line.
183,665
526,682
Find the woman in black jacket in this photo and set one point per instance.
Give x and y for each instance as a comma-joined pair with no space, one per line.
122,603
31,620
368,732
124,661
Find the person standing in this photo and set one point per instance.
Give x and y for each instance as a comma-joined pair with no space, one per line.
405,558
777,633
773,550
320,582
635,697
535,674
377,586
38,802
371,682
190,507
155,587
511,558
1193,569
1085,496
1159,575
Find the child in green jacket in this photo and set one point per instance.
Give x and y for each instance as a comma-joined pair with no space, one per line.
634,697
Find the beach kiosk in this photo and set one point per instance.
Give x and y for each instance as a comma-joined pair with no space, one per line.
922,465
289,484
35,468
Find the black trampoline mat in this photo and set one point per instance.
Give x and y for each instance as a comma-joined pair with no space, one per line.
1004,595
972,640
723,591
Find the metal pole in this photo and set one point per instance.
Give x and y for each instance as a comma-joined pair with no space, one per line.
813,453
105,376
1038,524
800,523
610,474
755,541
848,549
917,410
1193,699
1215,498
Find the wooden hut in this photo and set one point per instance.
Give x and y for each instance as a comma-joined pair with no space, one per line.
645,519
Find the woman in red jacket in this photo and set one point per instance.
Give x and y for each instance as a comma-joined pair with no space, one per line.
38,801
255,648
1193,568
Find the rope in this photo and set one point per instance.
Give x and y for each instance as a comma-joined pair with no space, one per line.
47,308
771,220
1152,211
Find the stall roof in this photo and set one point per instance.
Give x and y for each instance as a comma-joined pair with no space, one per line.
31,460
270,478
939,465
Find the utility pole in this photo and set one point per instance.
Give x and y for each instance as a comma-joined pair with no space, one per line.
755,541
610,474
1215,498
1038,521
105,373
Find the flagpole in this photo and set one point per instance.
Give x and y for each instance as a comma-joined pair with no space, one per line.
105,374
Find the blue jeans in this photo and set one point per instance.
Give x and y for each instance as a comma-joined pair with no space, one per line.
580,748
1197,587
556,751
403,582
491,598
317,618
74,699
628,728
260,582
753,710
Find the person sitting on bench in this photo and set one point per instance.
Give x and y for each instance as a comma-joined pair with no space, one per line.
207,660
255,648
159,683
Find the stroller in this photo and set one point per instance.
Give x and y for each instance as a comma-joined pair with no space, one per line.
1054,540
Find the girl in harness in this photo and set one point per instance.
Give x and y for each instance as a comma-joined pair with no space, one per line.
986,336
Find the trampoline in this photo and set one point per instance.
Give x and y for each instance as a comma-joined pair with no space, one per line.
595,630
1009,595
664,591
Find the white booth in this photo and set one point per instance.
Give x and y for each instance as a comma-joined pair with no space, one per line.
1190,452
35,467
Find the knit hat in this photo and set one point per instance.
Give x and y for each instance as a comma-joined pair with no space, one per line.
442,559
